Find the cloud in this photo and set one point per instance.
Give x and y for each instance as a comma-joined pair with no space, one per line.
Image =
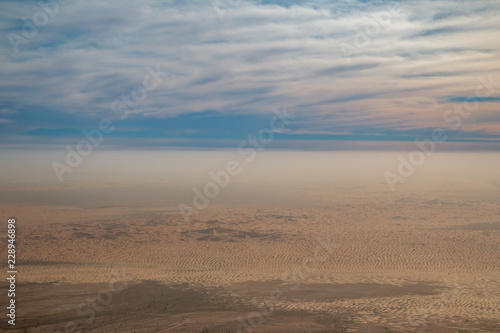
233,72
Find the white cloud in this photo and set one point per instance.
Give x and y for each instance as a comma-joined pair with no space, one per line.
258,57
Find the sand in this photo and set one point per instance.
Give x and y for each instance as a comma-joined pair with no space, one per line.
336,260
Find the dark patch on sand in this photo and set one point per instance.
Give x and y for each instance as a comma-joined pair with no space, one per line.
229,235
150,306
326,291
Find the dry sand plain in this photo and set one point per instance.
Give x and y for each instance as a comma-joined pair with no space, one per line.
331,260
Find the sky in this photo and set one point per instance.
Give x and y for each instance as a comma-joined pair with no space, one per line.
380,72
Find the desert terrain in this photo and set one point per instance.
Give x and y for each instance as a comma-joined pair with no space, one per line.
309,257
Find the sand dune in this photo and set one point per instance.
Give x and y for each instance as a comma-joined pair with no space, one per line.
435,262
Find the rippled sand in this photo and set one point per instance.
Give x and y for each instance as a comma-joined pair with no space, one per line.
348,257
303,257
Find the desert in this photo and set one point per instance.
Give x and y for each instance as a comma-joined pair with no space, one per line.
328,258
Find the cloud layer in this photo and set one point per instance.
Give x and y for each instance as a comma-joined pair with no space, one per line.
349,70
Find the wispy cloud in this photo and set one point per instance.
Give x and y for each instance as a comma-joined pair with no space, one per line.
232,73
